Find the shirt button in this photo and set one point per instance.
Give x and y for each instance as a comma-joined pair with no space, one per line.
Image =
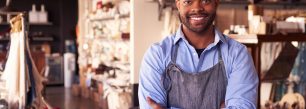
194,54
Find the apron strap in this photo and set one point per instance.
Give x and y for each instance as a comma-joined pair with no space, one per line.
219,52
174,52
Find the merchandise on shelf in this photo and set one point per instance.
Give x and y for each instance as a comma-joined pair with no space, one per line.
104,52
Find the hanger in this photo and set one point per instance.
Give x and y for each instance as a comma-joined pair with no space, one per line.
16,23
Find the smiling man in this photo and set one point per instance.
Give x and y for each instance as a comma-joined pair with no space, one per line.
197,67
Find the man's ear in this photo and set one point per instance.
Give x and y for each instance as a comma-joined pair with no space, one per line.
217,3
177,3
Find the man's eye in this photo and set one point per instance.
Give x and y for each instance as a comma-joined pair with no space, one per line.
206,1
186,2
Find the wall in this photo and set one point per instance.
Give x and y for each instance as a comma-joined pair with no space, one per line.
145,30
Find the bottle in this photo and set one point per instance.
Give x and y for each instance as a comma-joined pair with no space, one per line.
33,16
43,15
232,31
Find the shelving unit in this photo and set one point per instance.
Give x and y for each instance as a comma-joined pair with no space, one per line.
110,18
302,3
32,39
254,42
104,50
31,24
62,17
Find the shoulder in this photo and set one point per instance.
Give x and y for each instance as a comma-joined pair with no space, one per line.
235,54
234,47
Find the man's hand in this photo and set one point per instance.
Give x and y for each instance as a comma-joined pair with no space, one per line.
153,104
222,105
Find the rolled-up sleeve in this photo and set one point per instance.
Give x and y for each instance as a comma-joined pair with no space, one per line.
150,78
242,89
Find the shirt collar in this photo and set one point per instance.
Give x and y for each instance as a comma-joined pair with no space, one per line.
180,35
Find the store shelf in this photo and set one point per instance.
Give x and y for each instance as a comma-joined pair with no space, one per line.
254,39
42,24
42,39
246,39
109,18
265,3
35,24
4,23
4,40
234,2
11,13
32,39
110,81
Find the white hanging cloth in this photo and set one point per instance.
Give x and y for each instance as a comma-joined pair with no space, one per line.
16,72
39,102
171,21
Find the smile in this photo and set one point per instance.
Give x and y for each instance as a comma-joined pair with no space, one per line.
196,18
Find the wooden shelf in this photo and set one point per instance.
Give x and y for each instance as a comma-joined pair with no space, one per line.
265,3
4,40
235,2
4,24
11,13
255,42
42,24
41,39
246,39
282,38
32,39
254,39
35,24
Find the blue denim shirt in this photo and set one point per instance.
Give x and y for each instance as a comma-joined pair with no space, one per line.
242,77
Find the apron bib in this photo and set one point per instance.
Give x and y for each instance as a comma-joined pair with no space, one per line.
201,90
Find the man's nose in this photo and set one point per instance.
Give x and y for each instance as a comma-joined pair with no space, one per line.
197,6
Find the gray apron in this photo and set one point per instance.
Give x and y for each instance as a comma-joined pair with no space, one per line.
201,90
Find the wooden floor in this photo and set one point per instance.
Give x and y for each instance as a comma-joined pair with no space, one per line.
61,98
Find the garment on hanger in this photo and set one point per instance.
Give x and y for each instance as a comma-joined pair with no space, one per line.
281,92
14,72
171,21
283,64
37,86
20,73
299,70
269,52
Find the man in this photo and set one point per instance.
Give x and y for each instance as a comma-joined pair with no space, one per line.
197,67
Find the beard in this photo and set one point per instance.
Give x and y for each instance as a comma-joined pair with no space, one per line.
199,28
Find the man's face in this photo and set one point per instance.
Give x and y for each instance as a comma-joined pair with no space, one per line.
197,15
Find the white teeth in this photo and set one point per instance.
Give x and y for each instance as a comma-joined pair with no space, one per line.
197,18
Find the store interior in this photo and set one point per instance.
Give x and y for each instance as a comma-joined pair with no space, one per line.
86,54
